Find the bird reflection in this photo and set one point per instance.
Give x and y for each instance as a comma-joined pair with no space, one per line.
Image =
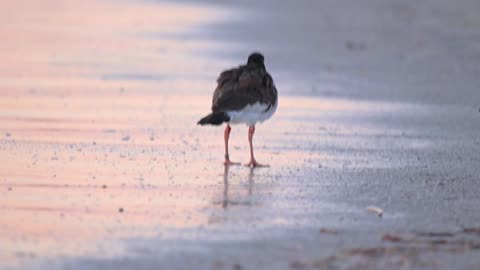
225,187
250,181
226,201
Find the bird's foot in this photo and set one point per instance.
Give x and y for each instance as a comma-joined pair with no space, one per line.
227,162
254,164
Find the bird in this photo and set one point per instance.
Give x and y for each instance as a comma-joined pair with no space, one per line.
244,95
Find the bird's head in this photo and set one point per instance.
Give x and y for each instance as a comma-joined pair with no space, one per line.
256,58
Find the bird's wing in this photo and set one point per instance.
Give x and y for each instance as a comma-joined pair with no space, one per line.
240,87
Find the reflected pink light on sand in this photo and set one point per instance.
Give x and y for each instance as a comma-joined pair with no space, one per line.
69,45
65,166
71,162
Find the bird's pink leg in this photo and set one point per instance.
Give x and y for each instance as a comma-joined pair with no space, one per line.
226,135
253,162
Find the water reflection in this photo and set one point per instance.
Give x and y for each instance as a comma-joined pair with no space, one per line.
225,187
226,202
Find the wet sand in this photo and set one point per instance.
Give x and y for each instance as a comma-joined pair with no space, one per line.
103,167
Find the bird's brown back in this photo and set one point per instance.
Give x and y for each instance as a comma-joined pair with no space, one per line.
242,86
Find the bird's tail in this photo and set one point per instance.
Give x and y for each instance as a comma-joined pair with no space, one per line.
215,118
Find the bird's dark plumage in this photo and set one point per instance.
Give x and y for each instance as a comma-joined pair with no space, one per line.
242,86
245,85
215,118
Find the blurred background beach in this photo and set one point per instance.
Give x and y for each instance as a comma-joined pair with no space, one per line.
102,164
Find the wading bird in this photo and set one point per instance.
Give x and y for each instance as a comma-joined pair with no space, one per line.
245,94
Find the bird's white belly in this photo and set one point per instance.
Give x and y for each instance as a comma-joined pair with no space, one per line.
252,114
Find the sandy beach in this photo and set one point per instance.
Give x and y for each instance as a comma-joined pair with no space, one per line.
102,165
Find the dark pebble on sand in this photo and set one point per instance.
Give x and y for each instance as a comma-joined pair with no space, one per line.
327,231
104,186
298,265
120,210
126,138
355,46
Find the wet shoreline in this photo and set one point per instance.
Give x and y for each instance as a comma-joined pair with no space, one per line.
103,167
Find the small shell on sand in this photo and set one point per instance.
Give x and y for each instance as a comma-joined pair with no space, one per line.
376,210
